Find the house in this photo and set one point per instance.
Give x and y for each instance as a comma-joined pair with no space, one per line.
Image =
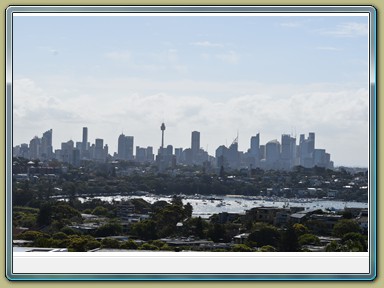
241,238
362,219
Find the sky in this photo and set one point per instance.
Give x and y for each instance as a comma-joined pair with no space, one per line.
219,75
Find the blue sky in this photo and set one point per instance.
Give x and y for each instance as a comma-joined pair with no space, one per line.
216,75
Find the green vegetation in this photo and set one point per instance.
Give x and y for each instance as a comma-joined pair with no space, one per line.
49,208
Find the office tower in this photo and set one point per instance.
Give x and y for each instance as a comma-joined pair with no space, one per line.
75,157
150,155
319,158
195,144
46,146
233,155
262,152
311,143
24,150
294,161
221,155
255,144
121,148
125,147
84,145
272,151
34,148
254,151
85,139
105,151
141,154
66,154
288,151
179,154
169,150
306,150
99,150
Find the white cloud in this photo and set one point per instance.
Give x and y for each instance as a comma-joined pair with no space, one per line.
230,57
207,44
119,56
337,115
290,24
328,48
349,29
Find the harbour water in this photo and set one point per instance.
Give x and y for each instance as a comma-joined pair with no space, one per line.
205,206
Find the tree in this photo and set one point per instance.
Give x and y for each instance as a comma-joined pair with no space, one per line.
355,241
130,244
82,243
241,248
110,243
112,228
289,240
345,226
309,239
217,232
300,229
100,211
176,200
188,209
44,217
267,248
146,229
264,234
199,228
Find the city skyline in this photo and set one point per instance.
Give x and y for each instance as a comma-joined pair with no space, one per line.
216,75
284,155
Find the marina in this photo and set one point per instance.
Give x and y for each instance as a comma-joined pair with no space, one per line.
205,207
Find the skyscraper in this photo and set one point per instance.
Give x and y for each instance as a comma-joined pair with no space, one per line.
195,146
34,148
195,143
272,151
288,151
85,140
125,147
46,146
255,151
233,155
99,150
307,150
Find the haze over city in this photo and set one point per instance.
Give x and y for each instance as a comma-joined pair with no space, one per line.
216,75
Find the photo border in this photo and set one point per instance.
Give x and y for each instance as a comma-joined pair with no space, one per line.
188,9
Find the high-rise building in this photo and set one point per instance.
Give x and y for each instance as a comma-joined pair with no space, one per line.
306,150
85,138
272,151
34,148
76,157
179,155
66,153
84,146
125,147
288,152
46,146
221,155
99,150
141,154
150,155
195,142
254,151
